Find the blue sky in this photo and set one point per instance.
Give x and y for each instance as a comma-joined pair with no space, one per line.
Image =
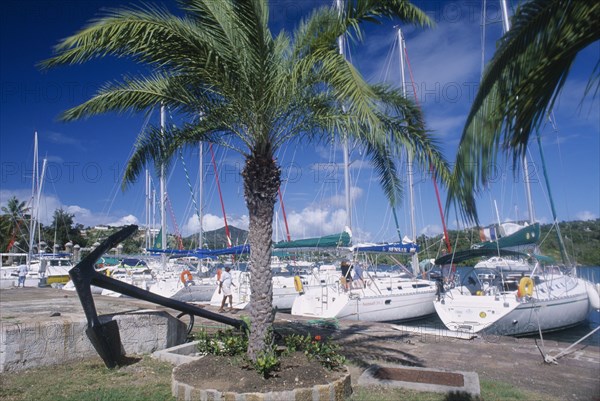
86,158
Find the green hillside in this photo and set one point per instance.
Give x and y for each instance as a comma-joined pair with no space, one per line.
582,240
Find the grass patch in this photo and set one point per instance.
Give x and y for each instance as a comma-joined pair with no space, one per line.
500,391
147,379
150,380
490,391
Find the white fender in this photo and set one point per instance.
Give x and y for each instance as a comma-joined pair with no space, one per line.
593,291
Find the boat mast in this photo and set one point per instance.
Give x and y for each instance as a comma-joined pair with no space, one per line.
163,194
153,232
37,210
200,193
34,178
148,192
413,224
506,28
561,242
214,163
341,46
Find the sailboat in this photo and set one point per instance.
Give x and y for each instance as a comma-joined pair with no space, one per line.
43,269
372,297
286,286
499,300
387,297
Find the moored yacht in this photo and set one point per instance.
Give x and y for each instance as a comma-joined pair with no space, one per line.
507,303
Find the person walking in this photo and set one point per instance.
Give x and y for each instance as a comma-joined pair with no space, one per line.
225,287
22,275
346,279
358,276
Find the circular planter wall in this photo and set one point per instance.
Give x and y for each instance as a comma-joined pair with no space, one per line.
338,390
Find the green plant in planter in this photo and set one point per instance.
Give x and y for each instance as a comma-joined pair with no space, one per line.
296,342
228,343
324,351
266,363
318,348
234,343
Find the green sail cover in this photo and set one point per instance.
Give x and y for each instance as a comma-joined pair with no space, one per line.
329,241
527,235
158,240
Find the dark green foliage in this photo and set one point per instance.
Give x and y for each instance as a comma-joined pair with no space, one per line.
228,342
324,351
582,240
63,229
234,343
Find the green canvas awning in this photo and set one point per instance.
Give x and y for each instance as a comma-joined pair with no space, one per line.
329,241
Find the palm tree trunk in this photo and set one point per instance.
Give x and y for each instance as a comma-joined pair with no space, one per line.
261,182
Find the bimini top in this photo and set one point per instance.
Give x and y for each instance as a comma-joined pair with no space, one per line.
461,256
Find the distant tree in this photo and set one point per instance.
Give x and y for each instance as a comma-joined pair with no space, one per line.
13,222
63,230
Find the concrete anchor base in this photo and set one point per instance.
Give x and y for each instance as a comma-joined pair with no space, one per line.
59,340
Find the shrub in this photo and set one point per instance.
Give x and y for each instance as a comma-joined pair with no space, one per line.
232,343
227,343
266,363
324,351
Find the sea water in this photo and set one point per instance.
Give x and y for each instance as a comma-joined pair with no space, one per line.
590,273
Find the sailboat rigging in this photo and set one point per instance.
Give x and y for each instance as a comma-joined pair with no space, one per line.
508,299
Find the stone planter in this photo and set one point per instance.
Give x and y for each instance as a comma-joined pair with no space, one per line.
181,355
338,390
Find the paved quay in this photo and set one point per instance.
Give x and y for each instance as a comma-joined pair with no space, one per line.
516,361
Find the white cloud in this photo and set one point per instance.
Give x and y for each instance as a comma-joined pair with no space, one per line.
62,139
340,200
213,222
49,204
124,221
586,215
315,222
431,230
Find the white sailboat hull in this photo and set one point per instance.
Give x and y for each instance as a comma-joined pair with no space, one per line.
375,303
198,290
284,289
555,304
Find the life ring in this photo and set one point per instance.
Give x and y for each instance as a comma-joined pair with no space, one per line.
525,287
298,284
186,276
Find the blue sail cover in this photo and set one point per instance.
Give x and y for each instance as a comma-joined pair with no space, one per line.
396,247
206,253
234,250
182,252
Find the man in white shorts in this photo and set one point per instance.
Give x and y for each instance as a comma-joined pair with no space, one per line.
225,286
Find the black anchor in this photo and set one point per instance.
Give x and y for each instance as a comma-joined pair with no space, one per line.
104,337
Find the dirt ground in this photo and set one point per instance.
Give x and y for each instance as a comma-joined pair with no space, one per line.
516,361
231,374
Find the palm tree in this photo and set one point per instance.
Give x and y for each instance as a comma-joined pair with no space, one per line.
229,78
14,213
519,88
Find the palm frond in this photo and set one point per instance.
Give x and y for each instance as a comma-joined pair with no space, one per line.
137,94
519,87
